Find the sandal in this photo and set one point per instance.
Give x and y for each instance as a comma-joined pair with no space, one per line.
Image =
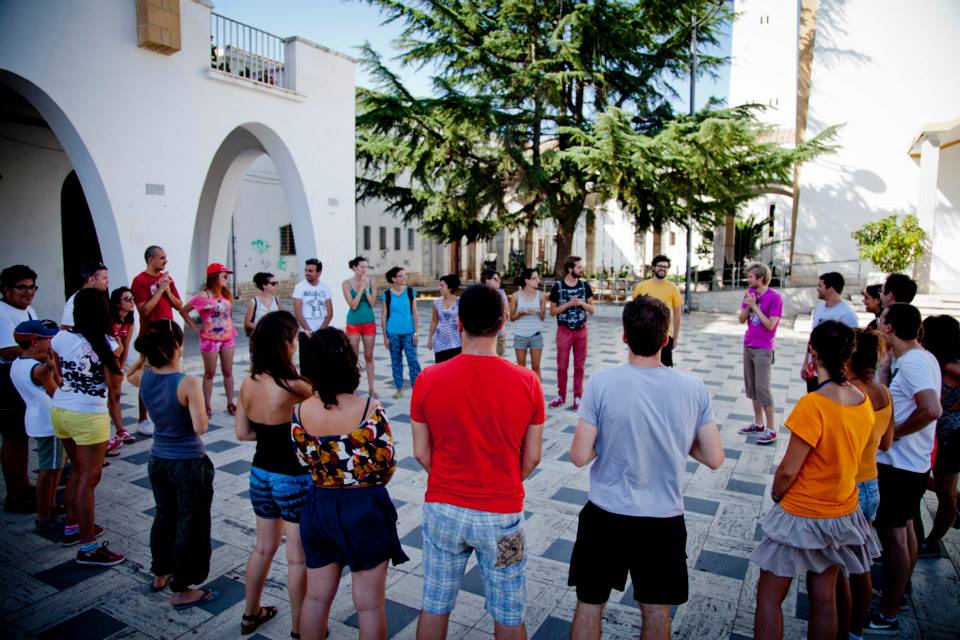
163,582
250,623
209,412
232,409
209,595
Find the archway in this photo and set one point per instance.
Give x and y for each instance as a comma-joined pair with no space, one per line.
79,234
213,230
39,149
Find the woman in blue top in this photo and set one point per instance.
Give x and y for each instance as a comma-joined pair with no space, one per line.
398,319
361,294
444,334
180,472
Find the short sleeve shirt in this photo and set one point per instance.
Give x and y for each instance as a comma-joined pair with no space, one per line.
67,316
144,286
399,318
665,291
825,486
314,299
918,370
841,312
758,336
646,420
216,316
84,386
477,429
574,317
10,317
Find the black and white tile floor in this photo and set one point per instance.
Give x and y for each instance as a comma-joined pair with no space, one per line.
44,594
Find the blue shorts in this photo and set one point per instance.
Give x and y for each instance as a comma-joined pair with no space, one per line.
450,534
277,495
522,343
868,493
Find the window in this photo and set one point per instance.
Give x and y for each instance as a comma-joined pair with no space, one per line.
673,238
396,238
773,214
383,238
410,235
366,237
288,247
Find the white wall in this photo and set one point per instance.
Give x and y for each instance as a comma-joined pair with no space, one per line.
945,263
129,117
882,68
371,214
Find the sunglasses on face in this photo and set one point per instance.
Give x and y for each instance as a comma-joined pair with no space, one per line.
273,283
25,287
126,299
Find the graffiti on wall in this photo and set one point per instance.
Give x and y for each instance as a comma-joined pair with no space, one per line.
261,248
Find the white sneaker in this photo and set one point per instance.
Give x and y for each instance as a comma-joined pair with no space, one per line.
145,428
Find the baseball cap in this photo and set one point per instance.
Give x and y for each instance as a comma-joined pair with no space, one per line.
217,267
35,329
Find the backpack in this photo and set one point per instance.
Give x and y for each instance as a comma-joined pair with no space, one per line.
389,295
256,307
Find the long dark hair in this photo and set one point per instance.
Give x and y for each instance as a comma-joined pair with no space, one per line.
330,365
270,348
159,342
941,337
866,354
115,306
833,341
92,320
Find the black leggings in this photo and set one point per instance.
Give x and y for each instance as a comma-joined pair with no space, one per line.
180,537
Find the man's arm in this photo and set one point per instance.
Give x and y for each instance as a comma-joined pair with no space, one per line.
744,314
328,304
928,409
677,312
707,448
588,305
146,308
422,446
531,449
582,450
173,295
768,323
298,314
416,319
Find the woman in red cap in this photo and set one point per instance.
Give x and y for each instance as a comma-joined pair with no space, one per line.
217,334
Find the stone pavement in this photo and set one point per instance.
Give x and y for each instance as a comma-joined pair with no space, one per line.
44,594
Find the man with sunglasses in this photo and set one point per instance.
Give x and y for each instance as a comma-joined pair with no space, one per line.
93,275
19,284
669,294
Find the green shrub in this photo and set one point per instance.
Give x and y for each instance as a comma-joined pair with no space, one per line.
890,245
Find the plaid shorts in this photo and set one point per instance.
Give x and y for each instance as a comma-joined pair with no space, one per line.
450,534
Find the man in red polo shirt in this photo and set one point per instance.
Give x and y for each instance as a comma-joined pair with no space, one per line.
477,430
156,297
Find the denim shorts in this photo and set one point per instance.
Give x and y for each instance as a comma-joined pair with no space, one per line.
50,453
868,493
450,534
522,343
277,495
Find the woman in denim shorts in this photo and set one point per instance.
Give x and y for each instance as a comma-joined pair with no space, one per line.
527,310
278,484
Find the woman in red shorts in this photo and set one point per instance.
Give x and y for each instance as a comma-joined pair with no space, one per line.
361,294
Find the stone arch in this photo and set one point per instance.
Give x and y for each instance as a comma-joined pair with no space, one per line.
233,158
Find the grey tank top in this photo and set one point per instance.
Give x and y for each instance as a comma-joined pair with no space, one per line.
528,325
173,434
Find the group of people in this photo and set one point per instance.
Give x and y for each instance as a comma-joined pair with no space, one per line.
859,454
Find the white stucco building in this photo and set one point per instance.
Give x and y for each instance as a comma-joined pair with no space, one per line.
107,147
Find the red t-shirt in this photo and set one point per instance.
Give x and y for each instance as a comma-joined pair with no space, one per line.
143,288
477,409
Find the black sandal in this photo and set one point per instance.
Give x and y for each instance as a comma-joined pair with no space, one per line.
252,622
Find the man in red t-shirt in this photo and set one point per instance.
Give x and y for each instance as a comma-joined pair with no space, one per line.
156,297
477,445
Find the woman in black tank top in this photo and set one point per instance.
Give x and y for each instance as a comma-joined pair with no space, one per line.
278,484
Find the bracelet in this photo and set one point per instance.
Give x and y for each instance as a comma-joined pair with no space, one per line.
775,497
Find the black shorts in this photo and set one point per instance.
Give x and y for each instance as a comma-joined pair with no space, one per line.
900,495
947,461
609,545
666,353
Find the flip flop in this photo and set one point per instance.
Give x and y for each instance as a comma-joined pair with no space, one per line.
209,595
164,581
251,623
232,409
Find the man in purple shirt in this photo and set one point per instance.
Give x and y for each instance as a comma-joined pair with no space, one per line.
761,309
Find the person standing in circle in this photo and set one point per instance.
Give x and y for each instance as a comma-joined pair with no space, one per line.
263,302
528,307
668,293
218,337
121,308
312,303
361,294
444,335
491,278
571,299
399,322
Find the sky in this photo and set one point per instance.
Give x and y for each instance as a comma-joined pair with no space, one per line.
344,25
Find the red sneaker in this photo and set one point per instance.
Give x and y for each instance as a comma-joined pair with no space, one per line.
125,436
767,437
113,444
559,401
100,557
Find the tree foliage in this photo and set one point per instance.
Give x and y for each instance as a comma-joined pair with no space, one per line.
889,244
536,104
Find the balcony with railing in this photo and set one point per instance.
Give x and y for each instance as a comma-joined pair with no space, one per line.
242,51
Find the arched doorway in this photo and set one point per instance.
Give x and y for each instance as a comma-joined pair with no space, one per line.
80,243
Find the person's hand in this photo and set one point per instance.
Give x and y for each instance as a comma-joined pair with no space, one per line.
750,300
430,343
416,339
386,342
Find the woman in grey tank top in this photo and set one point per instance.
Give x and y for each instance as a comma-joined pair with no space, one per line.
180,472
527,309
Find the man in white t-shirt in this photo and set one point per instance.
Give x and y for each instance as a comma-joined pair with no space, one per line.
19,284
903,469
312,301
93,275
830,307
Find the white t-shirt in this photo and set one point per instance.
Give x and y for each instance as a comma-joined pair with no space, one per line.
37,417
314,297
841,312
918,370
84,386
66,317
10,317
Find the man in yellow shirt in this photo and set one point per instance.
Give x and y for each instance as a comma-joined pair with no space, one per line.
669,294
